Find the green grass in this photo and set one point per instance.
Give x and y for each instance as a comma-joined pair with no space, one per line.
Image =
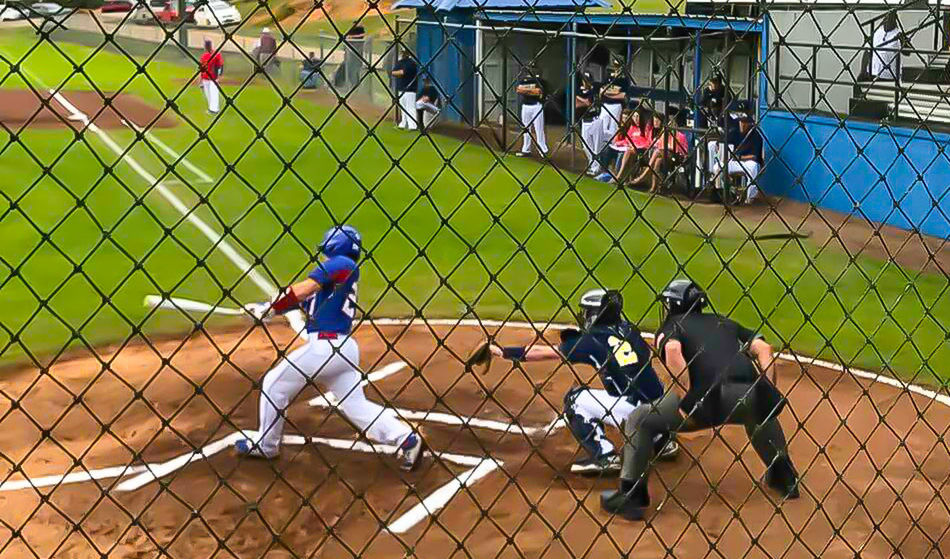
535,246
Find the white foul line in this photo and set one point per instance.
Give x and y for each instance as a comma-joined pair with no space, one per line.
441,496
75,477
216,238
155,471
171,153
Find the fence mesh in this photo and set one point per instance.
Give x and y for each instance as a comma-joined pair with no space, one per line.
500,160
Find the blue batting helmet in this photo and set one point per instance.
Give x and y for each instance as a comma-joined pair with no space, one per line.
343,240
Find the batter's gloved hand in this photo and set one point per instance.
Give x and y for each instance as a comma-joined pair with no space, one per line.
480,357
258,311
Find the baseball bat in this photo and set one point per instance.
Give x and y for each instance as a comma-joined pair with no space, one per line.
177,303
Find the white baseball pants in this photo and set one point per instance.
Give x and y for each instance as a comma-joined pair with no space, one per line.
599,407
407,108
748,169
210,90
532,118
430,112
610,118
592,136
333,364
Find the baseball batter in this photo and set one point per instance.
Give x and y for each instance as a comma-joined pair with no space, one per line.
331,356
617,350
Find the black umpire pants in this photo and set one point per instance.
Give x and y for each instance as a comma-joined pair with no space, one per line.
663,416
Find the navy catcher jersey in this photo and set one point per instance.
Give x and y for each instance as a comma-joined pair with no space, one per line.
621,357
333,306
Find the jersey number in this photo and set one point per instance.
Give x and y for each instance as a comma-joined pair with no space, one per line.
623,351
349,306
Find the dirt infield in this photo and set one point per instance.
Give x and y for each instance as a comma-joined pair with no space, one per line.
24,109
875,461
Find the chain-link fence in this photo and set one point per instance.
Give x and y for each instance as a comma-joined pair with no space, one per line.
642,279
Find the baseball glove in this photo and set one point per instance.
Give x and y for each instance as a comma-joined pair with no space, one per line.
480,357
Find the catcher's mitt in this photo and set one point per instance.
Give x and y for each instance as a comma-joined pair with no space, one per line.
480,357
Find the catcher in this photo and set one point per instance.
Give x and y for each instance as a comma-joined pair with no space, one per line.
616,349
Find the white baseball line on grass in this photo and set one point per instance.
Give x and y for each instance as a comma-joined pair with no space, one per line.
205,177
296,321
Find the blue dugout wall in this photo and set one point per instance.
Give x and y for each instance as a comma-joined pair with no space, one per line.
447,55
893,175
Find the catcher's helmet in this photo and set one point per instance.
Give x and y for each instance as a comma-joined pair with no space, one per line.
601,307
683,296
344,240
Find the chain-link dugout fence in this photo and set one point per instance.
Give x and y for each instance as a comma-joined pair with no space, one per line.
501,161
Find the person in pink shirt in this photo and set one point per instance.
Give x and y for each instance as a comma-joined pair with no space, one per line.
668,145
638,138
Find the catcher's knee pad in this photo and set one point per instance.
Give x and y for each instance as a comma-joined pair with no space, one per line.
587,431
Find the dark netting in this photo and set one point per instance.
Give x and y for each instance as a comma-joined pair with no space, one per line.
188,371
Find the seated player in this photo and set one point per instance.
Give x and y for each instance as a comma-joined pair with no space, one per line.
429,103
726,387
616,349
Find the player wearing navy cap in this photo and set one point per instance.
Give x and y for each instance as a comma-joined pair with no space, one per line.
331,355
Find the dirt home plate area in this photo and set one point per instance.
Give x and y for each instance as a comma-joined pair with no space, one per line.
870,487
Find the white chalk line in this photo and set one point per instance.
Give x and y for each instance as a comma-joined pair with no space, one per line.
217,240
154,472
74,477
204,177
439,498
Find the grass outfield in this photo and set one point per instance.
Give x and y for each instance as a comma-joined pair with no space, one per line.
533,231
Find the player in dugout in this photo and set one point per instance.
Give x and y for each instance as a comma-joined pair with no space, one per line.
727,366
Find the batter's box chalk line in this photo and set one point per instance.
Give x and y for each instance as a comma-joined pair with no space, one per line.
142,475
329,401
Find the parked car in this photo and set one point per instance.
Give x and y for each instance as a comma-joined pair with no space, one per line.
157,11
47,10
116,6
216,13
13,12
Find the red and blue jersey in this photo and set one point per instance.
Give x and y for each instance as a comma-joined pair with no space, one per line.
333,306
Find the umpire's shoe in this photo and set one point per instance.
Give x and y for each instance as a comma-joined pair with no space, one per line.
607,464
630,503
781,477
666,448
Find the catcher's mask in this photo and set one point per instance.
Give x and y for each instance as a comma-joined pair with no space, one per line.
682,296
600,307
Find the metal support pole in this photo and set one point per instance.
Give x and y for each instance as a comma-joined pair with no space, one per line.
814,76
571,72
504,94
699,148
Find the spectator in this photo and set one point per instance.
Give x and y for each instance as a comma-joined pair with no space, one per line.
310,71
531,90
264,52
617,147
639,140
405,71
587,104
613,94
886,45
669,146
210,67
747,160
429,103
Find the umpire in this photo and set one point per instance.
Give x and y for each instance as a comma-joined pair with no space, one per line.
725,388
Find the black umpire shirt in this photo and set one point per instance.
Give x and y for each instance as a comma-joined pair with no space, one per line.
714,349
529,81
406,82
